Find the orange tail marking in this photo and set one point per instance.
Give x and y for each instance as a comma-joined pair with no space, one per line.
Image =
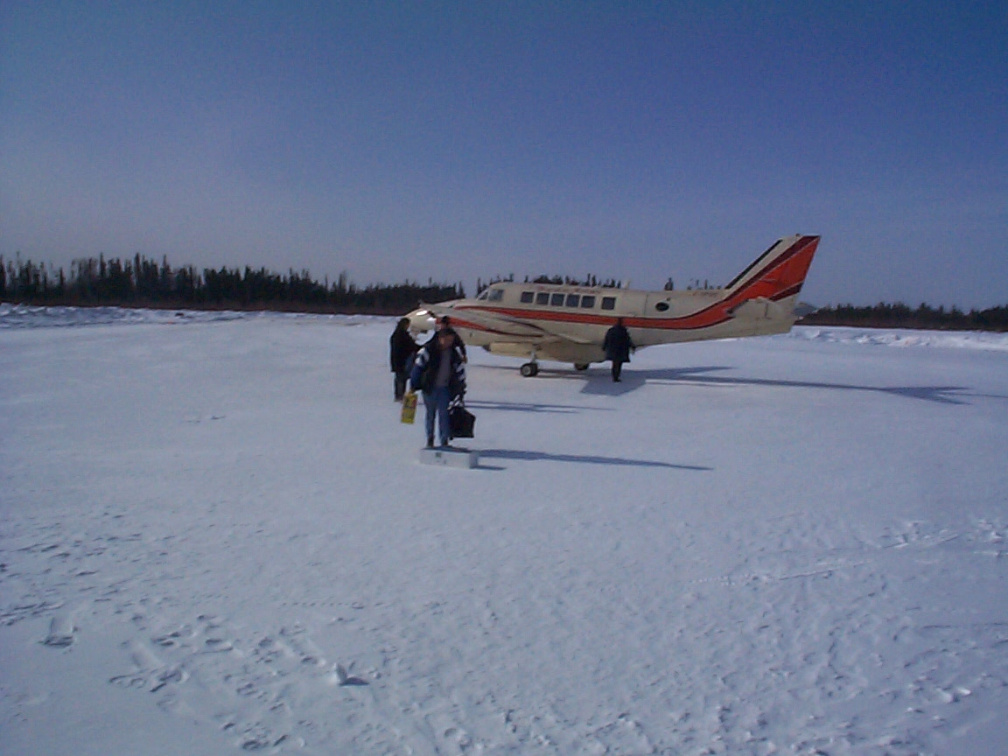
785,277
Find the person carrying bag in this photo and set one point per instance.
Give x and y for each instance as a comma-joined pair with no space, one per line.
439,373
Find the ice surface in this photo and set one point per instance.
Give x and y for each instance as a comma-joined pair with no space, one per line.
215,535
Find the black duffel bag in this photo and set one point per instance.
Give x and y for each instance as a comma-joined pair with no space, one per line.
463,422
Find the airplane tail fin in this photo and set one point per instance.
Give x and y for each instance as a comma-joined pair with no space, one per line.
763,298
777,274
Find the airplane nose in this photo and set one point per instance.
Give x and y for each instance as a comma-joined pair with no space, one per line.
421,320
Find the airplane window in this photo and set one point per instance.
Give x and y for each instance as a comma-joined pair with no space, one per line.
608,303
557,300
661,306
588,301
527,297
496,295
572,300
542,298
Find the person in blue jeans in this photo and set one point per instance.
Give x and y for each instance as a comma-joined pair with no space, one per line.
439,372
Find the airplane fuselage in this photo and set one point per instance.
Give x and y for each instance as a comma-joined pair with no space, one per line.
568,323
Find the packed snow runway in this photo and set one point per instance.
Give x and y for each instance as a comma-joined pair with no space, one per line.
215,536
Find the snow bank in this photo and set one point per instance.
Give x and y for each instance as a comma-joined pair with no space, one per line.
904,338
23,316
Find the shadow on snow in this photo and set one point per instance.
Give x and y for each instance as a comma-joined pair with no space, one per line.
562,409
596,384
585,459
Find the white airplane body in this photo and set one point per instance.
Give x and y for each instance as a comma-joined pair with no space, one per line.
568,323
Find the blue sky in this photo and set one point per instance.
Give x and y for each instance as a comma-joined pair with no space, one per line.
633,140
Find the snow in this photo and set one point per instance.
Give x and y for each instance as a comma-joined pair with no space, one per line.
215,536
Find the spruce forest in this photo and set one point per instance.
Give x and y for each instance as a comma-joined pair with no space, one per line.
140,282
899,315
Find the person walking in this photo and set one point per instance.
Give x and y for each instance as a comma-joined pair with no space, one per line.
445,322
402,349
439,372
617,346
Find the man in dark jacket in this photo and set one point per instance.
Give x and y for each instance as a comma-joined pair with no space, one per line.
401,351
439,372
445,322
617,346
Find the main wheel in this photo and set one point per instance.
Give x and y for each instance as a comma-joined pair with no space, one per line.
529,369
580,365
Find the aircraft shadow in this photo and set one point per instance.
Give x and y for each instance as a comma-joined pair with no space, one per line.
598,382
586,459
635,379
562,409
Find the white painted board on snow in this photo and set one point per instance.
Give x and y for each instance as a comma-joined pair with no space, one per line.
451,456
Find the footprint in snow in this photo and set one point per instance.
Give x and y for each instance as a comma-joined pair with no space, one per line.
61,633
344,678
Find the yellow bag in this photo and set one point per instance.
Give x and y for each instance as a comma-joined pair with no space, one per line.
409,402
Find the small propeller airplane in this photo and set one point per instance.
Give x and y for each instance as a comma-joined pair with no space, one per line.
566,323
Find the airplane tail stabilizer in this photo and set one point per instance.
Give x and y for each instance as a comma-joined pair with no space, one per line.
777,274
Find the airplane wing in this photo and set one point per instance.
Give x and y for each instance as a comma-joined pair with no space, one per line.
514,327
559,335
480,319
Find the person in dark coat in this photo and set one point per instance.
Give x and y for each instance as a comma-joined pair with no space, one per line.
402,348
439,372
617,346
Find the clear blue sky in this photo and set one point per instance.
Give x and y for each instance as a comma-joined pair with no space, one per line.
634,140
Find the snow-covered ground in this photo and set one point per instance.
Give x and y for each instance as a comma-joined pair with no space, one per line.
215,535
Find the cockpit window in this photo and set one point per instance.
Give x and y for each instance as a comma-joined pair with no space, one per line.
482,294
496,295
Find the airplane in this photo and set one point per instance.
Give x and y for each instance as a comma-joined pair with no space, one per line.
567,323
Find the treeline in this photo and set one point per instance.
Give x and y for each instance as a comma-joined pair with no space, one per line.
140,282
589,280
902,316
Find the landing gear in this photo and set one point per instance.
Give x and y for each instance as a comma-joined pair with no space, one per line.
530,369
582,366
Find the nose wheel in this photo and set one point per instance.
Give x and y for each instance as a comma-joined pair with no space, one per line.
530,369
